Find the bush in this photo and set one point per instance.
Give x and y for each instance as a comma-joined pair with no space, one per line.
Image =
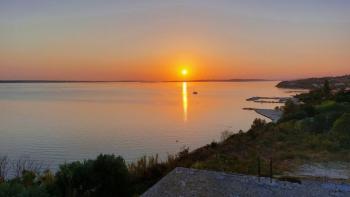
321,123
34,191
105,176
332,106
342,96
225,135
11,189
111,176
342,125
18,190
258,124
74,179
341,129
290,107
313,97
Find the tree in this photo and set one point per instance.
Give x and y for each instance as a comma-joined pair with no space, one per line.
290,107
258,124
111,176
326,89
105,176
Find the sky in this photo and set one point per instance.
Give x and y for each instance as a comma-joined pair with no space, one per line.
155,39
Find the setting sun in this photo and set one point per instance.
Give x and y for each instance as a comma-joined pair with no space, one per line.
184,72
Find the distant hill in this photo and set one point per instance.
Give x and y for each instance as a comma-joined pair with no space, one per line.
313,83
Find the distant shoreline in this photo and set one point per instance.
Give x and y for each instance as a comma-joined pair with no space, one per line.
129,81
339,82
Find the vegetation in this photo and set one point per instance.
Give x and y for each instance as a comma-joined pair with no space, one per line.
317,128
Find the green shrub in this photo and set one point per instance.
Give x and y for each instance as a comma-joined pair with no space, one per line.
111,176
341,129
332,106
35,191
321,123
11,189
342,96
105,176
28,178
294,111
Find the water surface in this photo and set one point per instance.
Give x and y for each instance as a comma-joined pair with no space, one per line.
58,122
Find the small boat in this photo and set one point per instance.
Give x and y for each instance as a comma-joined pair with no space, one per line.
194,92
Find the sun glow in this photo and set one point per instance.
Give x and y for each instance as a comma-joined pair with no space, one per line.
184,72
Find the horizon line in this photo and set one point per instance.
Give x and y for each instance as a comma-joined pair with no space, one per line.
126,81
157,81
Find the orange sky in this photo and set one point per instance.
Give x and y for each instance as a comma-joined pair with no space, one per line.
130,40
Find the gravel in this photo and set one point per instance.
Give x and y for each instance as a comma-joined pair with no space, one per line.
186,182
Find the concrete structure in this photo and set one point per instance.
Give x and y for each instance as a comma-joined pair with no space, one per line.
271,114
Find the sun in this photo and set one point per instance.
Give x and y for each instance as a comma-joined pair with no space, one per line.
184,72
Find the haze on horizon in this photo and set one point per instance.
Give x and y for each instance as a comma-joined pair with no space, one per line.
155,39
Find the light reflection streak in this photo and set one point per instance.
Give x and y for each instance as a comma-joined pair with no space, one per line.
184,100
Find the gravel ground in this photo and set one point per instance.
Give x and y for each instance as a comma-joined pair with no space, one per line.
186,182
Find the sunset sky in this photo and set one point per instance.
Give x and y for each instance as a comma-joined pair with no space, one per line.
156,39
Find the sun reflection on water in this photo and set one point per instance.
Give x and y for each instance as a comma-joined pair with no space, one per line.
184,100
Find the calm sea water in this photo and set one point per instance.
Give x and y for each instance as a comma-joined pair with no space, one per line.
58,122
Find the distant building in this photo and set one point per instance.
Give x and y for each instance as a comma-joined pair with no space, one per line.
316,85
339,84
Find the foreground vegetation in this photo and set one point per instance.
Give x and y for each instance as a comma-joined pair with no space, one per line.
315,129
